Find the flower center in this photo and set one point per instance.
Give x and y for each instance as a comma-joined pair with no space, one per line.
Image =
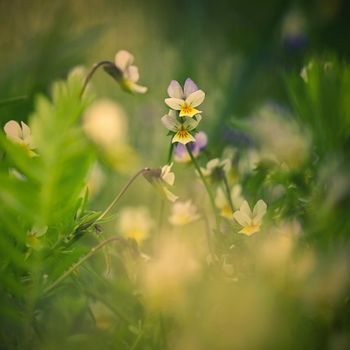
186,109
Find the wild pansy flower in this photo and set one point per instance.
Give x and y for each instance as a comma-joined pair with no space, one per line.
223,204
181,127
183,213
135,223
20,134
162,179
251,221
181,154
105,123
185,100
124,72
216,169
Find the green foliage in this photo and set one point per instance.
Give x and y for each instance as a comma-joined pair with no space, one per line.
322,102
41,191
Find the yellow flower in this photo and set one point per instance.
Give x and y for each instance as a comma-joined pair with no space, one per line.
251,221
216,169
181,128
129,74
20,134
183,213
105,123
135,223
223,204
185,100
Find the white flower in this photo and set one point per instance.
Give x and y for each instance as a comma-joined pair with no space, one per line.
135,223
20,134
215,167
223,204
183,213
129,73
181,128
105,123
251,221
162,179
185,100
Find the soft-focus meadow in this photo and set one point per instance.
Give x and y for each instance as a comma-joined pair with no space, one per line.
174,174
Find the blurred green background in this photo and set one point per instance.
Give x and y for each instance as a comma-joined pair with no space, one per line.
237,51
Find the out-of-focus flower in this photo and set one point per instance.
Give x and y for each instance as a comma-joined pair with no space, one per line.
181,128
95,179
185,100
181,154
294,33
162,179
129,74
279,137
216,168
167,276
183,213
20,134
104,317
105,123
223,204
135,223
34,237
251,221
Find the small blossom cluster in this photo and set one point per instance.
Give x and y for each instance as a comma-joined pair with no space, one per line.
183,117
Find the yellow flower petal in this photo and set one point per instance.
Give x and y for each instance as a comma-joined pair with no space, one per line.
183,136
188,111
249,230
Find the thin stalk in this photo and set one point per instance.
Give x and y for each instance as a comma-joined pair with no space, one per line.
207,232
92,72
227,188
211,198
121,193
81,261
170,154
162,204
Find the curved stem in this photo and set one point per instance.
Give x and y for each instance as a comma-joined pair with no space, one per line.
121,193
211,198
92,72
82,260
227,188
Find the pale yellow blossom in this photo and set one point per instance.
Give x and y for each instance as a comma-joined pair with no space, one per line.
250,220
183,213
135,222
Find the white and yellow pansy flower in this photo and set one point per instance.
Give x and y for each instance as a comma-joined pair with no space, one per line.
216,168
162,179
223,204
183,213
135,223
129,74
185,100
20,134
182,127
251,221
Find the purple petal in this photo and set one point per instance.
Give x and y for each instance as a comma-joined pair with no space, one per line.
175,90
189,87
201,140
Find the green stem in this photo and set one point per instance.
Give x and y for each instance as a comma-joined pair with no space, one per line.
162,204
81,261
121,193
170,154
227,188
211,198
92,72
